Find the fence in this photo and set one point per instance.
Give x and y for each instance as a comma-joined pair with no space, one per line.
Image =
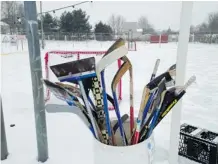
83,36
63,36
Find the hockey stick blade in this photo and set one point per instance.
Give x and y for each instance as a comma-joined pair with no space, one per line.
155,69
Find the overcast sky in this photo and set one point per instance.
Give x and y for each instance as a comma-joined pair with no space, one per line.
161,14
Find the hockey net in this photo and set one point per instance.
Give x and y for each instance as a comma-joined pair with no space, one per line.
131,45
58,57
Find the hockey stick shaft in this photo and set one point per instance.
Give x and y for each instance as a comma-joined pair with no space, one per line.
155,69
131,93
123,119
157,102
98,96
107,117
156,114
88,108
131,101
125,67
123,136
142,112
145,97
148,105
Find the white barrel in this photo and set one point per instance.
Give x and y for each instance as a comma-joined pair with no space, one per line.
141,153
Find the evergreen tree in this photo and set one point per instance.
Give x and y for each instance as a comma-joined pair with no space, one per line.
76,22
103,32
47,22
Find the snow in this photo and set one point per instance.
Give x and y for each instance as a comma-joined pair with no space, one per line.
69,140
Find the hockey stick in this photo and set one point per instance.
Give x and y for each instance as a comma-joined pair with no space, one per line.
54,108
123,119
63,94
115,52
168,75
162,90
170,99
175,91
93,85
131,97
77,71
67,96
145,97
171,71
76,91
156,107
151,96
146,112
125,67
97,92
157,63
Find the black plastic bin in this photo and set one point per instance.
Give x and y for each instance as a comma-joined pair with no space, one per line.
198,144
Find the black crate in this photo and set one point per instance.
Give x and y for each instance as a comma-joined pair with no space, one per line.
198,144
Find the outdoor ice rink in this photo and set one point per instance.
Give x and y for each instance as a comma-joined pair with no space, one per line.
67,135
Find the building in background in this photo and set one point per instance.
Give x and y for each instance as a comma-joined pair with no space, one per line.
5,28
131,30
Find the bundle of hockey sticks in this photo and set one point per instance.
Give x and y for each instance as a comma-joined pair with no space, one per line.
157,100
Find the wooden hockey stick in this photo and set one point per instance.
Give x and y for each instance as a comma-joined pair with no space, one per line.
131,91
115,52
151,95
124,68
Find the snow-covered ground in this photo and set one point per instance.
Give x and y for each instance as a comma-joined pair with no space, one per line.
68,139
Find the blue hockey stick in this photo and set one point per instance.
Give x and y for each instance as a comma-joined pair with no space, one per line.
107,118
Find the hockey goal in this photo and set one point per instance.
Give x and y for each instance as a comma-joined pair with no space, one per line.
58,57
131,45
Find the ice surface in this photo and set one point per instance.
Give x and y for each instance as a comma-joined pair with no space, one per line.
69,140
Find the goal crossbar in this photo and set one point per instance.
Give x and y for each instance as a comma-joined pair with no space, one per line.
78,53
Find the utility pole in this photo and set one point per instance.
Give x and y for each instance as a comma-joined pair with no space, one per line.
4,147
36,76
42,32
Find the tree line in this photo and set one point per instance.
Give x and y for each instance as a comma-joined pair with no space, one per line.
77,21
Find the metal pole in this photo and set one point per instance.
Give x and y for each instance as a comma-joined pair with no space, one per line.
36,75
185,23
4,147
42,32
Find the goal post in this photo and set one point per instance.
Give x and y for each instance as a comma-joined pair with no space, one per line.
132,45
57,57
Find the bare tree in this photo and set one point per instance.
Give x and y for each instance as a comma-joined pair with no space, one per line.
10,10
202,28
116,23
112,22
145,25
213,22
119,23
143,22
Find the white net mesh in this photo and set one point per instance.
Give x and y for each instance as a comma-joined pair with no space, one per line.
58,57
131,46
